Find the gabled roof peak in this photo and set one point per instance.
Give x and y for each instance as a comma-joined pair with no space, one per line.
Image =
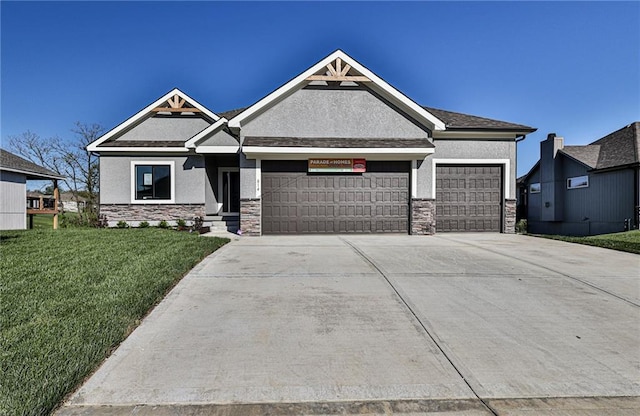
340,67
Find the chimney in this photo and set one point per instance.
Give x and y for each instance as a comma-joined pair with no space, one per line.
551,178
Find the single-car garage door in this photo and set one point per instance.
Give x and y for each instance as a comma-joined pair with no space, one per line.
468,198
297,202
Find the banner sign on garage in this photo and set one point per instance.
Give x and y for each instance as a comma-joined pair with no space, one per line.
337,165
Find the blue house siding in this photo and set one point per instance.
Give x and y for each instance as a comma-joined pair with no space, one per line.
600,208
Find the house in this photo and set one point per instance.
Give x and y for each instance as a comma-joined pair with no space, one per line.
14,174
334,150
584,190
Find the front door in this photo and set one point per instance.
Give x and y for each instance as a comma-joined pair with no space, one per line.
229,186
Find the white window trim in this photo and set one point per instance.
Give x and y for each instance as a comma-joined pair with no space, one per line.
578,187
172,167
221,170
535,192
506,163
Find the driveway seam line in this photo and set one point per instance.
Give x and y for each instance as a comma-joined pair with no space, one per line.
622,298
424,327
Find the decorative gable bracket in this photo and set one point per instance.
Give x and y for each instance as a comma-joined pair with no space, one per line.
337,72
176,105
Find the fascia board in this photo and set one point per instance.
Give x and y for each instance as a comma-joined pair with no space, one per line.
217,149
93,147
141,149
400,98
476,134
191,143
257,151
29,173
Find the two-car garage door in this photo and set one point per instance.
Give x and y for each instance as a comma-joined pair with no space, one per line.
296,202
468,198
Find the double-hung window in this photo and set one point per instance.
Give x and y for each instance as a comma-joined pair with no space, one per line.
153,182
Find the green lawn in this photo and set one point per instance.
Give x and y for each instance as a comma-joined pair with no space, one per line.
627,241
68,297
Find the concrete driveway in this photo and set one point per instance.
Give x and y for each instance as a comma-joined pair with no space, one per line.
465,324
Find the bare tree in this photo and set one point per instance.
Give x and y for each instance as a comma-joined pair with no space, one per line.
68,158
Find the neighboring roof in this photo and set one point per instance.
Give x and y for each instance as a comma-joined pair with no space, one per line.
105,141
352,68
587,155
13,163
460,121
620,148
342,143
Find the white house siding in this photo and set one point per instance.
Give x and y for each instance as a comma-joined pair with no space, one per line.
13,201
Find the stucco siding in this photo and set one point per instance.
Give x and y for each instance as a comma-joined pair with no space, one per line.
220,138
166,128
13,201
471,150
115,178
346,112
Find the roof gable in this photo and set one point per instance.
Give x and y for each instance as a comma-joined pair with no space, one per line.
143,130
340,67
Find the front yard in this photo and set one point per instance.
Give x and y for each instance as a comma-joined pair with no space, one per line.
628,241
68,297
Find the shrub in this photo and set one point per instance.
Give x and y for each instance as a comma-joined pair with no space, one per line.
143,224
521,227
163,224
122,224
181,223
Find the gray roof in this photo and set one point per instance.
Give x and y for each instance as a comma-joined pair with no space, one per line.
452,120
588,154
336,142
460,121
14,163
620,148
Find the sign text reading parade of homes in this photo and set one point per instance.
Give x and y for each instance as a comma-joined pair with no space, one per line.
337,165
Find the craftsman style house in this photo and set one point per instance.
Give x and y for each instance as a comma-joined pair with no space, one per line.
334,150
584,190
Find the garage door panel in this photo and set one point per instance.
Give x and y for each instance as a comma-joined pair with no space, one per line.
374,201
468,198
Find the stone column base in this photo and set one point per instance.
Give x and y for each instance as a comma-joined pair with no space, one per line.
423,216
509,216
250,216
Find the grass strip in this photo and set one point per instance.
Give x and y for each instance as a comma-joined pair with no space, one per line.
68,297
628,241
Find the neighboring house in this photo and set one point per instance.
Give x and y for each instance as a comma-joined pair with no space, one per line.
72,203
584,190
14,174
334,150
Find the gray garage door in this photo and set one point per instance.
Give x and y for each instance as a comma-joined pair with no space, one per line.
468,198
297,202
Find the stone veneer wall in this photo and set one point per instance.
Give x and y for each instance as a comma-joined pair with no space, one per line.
250,216
510,216
151,212
423,216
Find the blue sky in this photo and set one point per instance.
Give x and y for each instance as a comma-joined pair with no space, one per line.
572,68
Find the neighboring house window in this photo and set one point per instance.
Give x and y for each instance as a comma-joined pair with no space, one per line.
534,188
578,182
152,182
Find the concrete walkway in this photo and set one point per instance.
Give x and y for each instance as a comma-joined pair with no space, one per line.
464,324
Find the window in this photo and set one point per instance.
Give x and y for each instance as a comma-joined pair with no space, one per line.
152,182
578,182
534,188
